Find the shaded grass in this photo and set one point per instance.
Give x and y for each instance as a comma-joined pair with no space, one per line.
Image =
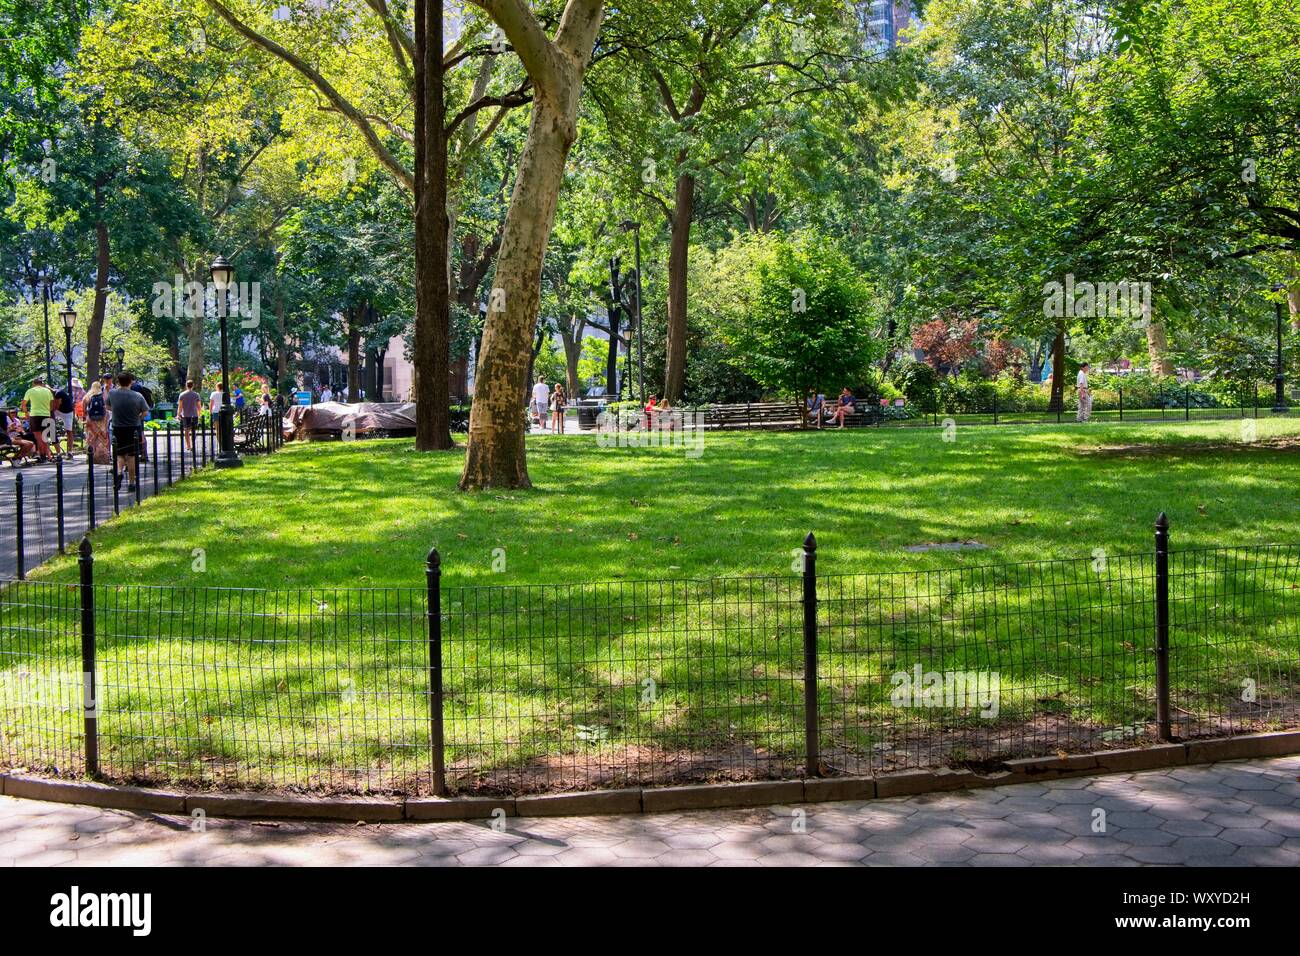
282,693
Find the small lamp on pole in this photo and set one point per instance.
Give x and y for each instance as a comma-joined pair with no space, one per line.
69,319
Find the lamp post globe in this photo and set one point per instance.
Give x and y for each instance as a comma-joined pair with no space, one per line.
223,275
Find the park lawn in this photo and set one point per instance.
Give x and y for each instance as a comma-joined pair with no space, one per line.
366,513
546,685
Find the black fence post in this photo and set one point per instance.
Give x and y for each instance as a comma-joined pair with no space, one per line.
18,522
90,710
995,408
90,484
1187,403
139,478
58,494
1162,628
1121,403
117,480
154,456
194,449
169,457
182,455
433,582
810,721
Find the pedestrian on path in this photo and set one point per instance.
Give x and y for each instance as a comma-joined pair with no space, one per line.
189,404
129,412
36,405
557,409
541,402
97,424
1085,394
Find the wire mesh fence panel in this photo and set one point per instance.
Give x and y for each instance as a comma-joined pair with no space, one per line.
622,683
1234,658
41,685
322,689
971,665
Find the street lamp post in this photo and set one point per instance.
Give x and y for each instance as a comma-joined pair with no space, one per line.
635,227
45,297
1279,379
222,275
120,355
69,319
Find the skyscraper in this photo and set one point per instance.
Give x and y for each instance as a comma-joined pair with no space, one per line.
882,21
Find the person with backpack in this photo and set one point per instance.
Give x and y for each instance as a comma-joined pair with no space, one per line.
62,413
96,424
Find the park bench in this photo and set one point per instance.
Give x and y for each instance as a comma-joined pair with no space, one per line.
774,415
252,433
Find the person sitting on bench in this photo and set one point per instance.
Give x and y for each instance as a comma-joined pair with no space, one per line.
845,405
15,437
815,403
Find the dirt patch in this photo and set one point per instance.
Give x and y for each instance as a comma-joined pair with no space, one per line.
1179,449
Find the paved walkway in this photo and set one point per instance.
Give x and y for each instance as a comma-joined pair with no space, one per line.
1244,813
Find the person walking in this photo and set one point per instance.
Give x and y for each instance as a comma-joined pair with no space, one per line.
557,409
189,405
129,412
36,406
326,395
97,424
1085,394
61,411
541,402
214,402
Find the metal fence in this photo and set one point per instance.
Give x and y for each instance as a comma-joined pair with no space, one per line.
534,688
43,511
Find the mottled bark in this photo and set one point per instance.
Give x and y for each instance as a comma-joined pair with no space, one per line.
495,456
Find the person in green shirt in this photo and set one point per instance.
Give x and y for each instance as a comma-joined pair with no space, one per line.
36,406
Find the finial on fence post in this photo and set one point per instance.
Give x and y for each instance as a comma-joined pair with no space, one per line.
84,549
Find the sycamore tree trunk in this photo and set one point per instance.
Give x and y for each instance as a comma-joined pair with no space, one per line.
495,457
678,261
432,284
1293,305
496,425
1158,348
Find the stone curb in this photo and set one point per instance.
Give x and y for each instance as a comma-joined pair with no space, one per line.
649,799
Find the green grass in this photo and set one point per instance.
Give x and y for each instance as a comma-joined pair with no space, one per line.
546,686
366,513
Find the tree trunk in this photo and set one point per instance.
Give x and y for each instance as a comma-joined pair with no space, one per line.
95,332
571,337
615,320
432,281
354,354
1158,349
495,458
678,258
1057,402
1293,304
